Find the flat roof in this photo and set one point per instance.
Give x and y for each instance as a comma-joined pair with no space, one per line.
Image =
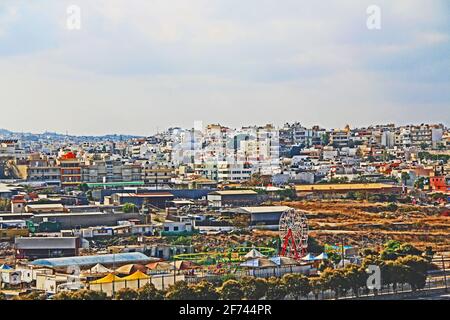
116,184
74,214
45,242
344,186
234,192
144,195
43,206
265,209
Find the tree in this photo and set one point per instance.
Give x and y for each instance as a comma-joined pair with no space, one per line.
35,295
85,294
325,139
392,207
296,284
334,280
393,273
129,207
416,270
126,294
83,187
424,145
205,290
356,277
231,290
63,295
276,290
394,249
316,286
253,288
405,177
149,292
180,290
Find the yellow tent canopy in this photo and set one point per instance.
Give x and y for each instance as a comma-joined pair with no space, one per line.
107,279
129,269
138,275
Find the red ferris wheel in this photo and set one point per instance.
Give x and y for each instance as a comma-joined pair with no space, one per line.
294,233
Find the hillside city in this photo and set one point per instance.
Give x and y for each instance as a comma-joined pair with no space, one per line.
213,212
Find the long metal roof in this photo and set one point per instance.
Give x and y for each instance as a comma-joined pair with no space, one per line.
119,258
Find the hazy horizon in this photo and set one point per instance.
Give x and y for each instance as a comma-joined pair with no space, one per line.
143,66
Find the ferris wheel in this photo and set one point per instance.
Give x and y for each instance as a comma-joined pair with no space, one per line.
294,233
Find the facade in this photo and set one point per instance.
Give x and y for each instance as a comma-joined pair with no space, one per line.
42,169
232,198
46,247
264,217
156,199
156,174
70,168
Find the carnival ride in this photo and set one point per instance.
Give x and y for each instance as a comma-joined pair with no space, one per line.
233,255
293,231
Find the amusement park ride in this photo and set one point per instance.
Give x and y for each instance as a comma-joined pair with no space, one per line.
294,233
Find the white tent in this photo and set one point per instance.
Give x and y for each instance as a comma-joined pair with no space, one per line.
252,254
259,263
98,268
308,257
343,263
322,256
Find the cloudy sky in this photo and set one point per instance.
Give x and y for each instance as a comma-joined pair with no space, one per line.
137,66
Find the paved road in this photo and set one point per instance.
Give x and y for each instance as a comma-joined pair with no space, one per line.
437,296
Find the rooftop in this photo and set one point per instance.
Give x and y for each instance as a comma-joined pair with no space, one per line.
343,186
119,258
265,209
234,192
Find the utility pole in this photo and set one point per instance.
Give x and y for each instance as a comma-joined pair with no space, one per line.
445,275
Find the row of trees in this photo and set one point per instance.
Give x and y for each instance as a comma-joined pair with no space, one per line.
399,263
395,271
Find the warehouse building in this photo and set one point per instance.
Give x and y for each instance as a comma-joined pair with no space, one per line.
264,217
86,219
232,198
159,199
45,247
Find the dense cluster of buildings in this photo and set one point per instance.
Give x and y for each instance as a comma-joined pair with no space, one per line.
202,157
68,201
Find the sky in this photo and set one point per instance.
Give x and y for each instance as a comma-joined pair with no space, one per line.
140,66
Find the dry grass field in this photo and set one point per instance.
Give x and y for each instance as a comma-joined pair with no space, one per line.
364,223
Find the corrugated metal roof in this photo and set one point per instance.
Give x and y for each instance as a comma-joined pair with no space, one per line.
344,186
118,258
234,192
45,242
265,209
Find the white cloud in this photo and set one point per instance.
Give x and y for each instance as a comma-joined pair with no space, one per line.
134,62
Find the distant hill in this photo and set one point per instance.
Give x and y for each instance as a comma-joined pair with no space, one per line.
59,136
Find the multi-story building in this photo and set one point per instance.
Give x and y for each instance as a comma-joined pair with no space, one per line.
43,169
340,138
157,175
70,168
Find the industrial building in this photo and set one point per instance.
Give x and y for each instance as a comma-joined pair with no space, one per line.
263,217
45,247
232,198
